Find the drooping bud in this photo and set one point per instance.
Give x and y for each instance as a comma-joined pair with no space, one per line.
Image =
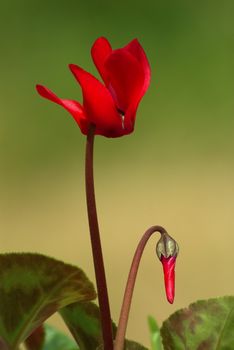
169,277
167,250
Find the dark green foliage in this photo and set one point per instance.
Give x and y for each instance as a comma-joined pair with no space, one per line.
32,288
83,320
204,325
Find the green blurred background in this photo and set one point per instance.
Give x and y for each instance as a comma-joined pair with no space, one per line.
175,170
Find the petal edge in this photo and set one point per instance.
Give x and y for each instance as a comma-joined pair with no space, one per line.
73,107
100,51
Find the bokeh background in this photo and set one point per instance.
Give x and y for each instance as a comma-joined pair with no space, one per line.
176,169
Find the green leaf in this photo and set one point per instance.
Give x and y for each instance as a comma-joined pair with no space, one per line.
83,320
32,288
206,324
132,345
155,335
55,340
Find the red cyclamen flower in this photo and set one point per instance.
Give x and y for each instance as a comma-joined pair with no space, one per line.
111,107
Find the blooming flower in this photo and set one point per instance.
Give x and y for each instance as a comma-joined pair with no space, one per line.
111,106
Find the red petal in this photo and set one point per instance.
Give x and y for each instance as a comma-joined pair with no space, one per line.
125,78
98,104
126,73
137,51
100,52
73,107
169,276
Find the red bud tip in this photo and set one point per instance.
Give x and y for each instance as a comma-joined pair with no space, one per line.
169,276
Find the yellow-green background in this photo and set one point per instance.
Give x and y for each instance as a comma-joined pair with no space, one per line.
175,170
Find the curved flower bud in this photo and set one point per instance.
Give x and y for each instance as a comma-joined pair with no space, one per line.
111,107
167,250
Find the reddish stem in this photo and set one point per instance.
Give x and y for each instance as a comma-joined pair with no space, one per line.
96,245
127,299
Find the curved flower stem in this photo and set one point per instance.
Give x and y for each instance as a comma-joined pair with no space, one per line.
124,314
96,245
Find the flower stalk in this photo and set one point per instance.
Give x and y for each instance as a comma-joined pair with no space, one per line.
96,244
127,299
